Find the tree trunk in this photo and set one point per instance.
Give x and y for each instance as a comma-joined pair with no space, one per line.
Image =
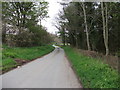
4,32
64,37
107,49
86,27
105,27
76,39
76,42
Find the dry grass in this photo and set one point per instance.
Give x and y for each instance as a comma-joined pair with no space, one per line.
111,60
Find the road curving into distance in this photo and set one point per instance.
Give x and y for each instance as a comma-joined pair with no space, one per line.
50,71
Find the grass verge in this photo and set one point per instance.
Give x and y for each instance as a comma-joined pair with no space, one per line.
93,73
27,54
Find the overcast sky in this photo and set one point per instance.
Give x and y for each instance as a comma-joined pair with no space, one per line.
53,10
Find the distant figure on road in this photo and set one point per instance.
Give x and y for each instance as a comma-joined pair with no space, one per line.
58,48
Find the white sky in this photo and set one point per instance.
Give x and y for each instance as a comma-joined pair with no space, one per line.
53,9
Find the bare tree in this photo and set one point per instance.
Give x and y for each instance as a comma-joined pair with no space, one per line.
105,25
86,26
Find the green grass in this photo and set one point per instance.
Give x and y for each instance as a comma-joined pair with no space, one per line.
26,53
92,72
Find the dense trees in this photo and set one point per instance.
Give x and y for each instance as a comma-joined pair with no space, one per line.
91,26
21,23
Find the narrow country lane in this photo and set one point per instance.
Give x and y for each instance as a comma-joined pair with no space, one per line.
50,71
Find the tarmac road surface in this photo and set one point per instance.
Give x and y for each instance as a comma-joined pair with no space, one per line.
50,71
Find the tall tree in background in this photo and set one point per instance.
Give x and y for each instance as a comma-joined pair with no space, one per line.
42,11
5,20
22,20
86,26
62,28
105,25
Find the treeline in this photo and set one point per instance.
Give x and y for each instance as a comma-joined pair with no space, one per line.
21,23
91,26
